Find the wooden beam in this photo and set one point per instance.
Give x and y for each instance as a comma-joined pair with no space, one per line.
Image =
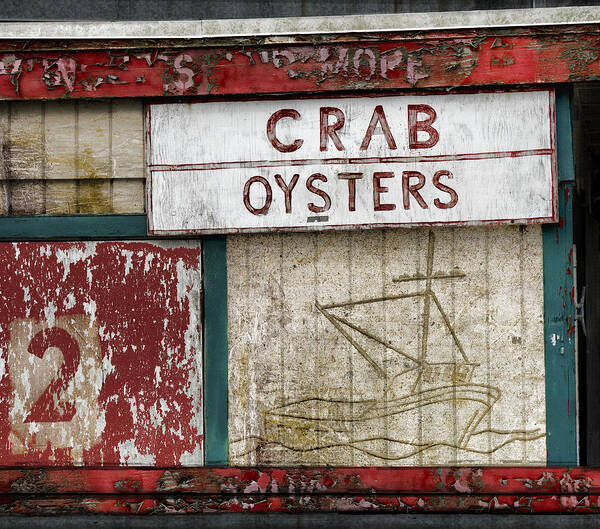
252,66
560,298
214,265
70,227
192,490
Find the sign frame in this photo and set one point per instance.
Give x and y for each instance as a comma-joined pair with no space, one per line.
151,168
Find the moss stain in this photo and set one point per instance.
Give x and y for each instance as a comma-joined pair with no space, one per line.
94,192
24,158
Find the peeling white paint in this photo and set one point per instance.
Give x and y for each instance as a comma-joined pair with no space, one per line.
26,298
90,309
157,379
155,416
177,433
148,261
128,260
189,287
186,280
69,256
164,407
192,458
50,313
130,455
69,302
133,408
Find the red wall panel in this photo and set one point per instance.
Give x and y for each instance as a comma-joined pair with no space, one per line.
101,353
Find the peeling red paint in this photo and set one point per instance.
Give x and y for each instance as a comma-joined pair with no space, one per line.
204,503
423,60
127,309
305,481
297,490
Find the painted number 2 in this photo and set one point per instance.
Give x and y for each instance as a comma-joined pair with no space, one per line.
47,407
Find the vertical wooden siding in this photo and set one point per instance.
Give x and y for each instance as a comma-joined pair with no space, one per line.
71,157
301,394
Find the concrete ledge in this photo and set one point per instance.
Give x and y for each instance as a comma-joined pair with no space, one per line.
199,29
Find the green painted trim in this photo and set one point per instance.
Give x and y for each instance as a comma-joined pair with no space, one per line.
214,260
55,227
559,306
564,135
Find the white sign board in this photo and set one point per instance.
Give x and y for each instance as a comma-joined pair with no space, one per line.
352,162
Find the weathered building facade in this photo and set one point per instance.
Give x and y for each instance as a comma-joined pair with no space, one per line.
298,266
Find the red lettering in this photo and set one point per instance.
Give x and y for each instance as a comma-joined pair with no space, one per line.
329,131
378,190
453,194
415,126
287,189
271,133
48,408
412,189
352,178
268,198
378,117
326,198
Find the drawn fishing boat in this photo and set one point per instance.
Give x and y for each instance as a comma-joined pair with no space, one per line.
434,392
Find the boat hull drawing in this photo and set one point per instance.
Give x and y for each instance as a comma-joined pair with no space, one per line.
319,423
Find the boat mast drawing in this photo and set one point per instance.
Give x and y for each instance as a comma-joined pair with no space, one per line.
428,295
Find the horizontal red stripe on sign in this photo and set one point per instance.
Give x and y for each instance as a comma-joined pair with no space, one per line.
342,161
370,503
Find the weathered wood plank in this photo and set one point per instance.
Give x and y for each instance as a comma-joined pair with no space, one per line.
353,162
61,161
128,196
127,150
427,59
127,137
306,480
94,167
71,157
24,148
